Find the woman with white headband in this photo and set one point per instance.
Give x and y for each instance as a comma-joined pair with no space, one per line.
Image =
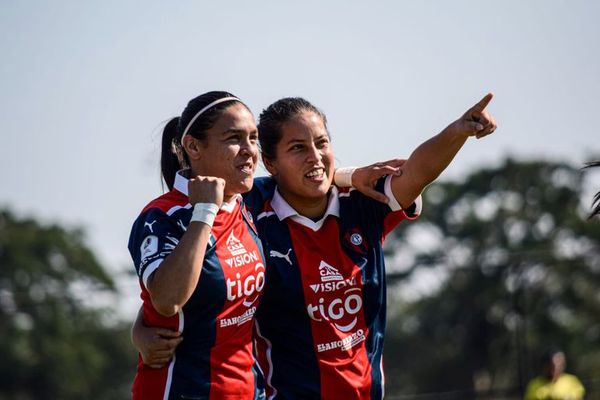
197,255
321,322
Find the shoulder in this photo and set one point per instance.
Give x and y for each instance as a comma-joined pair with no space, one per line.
167,202
262,191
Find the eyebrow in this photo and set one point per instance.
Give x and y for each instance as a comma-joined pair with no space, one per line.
296,140
239,131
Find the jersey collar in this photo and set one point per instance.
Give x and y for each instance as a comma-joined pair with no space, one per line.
181,185
283,210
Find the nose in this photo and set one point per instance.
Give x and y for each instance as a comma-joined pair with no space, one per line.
314,154
249,148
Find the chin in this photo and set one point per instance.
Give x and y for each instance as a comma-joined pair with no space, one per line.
320,191
246,185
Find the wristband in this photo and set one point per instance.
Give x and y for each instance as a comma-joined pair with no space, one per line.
342,177
205,212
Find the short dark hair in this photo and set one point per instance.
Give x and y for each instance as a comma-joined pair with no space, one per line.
273,117
548,355
173,156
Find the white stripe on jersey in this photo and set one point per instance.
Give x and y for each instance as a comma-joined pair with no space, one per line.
175,208
150,269
382,376
269,348
172,363
169,379
264,214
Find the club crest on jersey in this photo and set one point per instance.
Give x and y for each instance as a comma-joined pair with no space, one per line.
356,239
329,273
149,247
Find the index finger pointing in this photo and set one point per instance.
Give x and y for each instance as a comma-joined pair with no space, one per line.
479,107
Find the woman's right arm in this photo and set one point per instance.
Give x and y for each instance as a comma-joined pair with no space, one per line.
172,285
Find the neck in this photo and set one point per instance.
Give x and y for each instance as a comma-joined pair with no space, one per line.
312,208
228,198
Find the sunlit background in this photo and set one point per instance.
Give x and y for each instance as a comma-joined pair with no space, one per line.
85,88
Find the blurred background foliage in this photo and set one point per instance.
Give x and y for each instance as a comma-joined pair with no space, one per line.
501,266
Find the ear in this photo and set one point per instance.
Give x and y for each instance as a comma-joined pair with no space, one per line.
270,165
192,147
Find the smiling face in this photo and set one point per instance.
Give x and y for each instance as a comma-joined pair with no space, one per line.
303,163
230,150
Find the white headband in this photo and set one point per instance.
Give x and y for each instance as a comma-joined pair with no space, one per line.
214,103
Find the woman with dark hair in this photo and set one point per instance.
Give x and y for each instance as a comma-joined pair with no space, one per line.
554,383
321,322
197,255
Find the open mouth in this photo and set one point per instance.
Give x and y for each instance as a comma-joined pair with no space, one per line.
246,168
316,174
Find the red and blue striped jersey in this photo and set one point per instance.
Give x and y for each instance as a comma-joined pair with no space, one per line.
215,358
321,323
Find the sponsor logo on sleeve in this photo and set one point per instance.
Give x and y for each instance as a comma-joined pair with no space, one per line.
149,225
149,247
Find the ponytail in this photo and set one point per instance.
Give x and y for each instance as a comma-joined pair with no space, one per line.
169,159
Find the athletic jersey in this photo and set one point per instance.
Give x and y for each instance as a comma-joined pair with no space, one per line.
321,323
565,387
215,358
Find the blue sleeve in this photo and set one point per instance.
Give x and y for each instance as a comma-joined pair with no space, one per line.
153,237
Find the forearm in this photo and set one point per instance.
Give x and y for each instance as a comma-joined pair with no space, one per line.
432,157
426,163
171,285
138,324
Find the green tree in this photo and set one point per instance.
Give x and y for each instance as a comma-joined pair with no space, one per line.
54,342
518,267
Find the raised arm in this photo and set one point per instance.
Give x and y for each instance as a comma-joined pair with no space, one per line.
428,160
172,285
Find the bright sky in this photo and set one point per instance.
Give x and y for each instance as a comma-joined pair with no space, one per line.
85,87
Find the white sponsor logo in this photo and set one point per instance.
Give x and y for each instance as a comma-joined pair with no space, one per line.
356,239
344,344
239,320
149,247
338,308
149,225
332,286
242,259
234,245
286,256
329,273
253,283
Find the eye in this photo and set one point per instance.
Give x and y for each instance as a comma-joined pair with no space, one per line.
296,147
322,143
233,138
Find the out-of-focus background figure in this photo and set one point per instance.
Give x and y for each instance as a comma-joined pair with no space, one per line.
554,383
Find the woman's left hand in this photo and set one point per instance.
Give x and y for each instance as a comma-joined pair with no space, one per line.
365,178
